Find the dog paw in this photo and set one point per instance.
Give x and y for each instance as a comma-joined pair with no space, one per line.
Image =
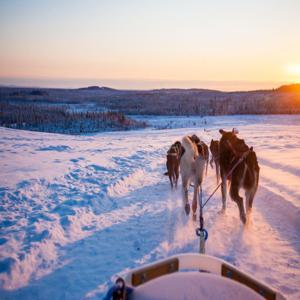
249,217
194,207
249,211
187,209
222,211
243,219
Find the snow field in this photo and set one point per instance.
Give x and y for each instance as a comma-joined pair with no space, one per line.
77,210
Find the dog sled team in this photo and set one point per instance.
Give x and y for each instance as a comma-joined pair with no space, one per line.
235,163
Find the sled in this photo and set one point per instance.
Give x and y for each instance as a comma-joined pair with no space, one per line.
195,276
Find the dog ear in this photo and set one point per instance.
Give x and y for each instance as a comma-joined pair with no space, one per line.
251,148
221,131
235,131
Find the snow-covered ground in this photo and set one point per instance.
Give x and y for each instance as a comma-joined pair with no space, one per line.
77,210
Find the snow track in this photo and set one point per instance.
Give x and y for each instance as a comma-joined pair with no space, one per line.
76,211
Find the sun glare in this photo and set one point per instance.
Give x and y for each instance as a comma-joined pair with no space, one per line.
293,69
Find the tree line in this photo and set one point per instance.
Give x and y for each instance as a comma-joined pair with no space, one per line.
60,119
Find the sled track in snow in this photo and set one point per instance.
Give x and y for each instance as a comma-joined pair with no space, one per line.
92,207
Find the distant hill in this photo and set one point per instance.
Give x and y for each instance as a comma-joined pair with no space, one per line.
289,88
96,88
283,100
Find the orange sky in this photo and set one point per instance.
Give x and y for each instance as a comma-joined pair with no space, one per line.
186,43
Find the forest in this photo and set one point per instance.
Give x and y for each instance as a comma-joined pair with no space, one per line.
60,119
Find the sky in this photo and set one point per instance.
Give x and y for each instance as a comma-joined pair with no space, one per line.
227,45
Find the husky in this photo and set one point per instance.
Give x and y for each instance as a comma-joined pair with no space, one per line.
215,157
245,175
173,160
192,165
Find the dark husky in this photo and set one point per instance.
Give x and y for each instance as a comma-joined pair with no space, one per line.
215,156
205,154
173,161
245,175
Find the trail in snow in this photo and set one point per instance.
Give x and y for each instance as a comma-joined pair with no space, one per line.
76,211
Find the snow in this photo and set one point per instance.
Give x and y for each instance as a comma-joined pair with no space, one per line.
78,210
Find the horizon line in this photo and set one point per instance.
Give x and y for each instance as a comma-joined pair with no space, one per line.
141,84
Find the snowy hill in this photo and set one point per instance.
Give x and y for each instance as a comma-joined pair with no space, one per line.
77,210
164,101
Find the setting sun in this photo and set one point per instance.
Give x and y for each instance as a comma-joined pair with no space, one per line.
293,72
293,69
